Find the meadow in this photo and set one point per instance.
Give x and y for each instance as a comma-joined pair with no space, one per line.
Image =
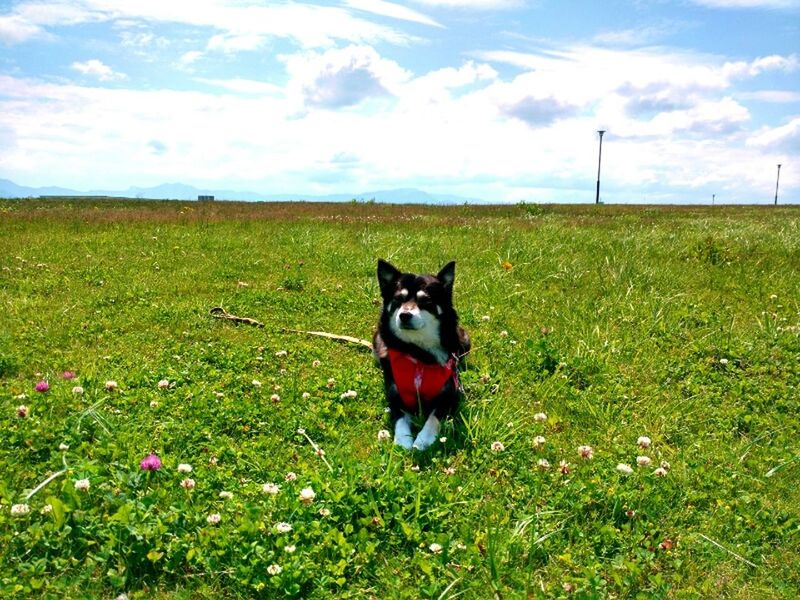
592,326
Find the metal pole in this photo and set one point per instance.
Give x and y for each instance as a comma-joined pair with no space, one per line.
777,181
599,158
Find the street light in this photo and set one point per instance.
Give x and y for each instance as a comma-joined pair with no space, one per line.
599,158
777,181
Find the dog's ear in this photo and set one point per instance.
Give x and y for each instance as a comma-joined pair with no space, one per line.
447,275
387,277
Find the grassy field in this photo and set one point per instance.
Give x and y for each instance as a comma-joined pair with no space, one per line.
679,324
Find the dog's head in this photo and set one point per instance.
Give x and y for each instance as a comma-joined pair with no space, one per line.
416,306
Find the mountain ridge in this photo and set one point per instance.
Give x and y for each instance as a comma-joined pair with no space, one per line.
182,191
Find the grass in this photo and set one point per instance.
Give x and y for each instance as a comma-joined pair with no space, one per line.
681,324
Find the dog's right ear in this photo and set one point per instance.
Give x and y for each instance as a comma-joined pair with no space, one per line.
387,277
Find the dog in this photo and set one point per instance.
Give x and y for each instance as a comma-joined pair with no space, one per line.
418,345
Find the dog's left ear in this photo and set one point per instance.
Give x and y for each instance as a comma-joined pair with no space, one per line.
447,275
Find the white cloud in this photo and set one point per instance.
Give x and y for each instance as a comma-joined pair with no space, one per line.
343,77
97,68
783,140
244,86
15,30
390,9
242,24
189,58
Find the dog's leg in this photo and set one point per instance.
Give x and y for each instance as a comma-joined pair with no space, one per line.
402,432
428,433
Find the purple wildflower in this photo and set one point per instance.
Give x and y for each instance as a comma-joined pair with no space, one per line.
42,386
150,463
68,375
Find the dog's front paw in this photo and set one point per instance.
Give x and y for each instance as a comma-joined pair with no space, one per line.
424,440
404,441
428,435
402,433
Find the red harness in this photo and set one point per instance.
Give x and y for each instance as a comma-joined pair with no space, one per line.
418,381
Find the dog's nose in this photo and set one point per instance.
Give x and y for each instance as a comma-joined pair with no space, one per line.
405,317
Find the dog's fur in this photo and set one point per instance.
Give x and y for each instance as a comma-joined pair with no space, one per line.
418,319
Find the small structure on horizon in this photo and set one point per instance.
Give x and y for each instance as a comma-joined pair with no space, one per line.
201,198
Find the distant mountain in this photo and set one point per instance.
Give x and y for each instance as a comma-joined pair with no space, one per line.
181,191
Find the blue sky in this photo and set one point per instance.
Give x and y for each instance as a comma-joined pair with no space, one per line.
498,100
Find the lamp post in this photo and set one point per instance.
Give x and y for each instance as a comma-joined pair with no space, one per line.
777,181
599,158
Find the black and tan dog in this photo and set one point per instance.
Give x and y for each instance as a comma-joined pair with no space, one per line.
418,345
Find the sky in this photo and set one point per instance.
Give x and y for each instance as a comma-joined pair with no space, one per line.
493,100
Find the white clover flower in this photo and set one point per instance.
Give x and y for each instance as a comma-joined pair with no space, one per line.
723,361
586,452
274,569
188,484
153,403
504,333
564,467
316,363
111,385
82,485
283,527
443,440
538,441
643,461
184,468
289,548
290,476
540,417
226,495
624,469
122,597
214,518
63,447
324,512
665,465
498,447
306,395
301,431
660,472
281,353
384,435
219,394
320,452
77,390
485,318
435,548
46,509
20,509
307,495
256,383
275,398
349,395
21,396
331,383
163,384
643,441
212,462
543,463
271,488
449,470
22,411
